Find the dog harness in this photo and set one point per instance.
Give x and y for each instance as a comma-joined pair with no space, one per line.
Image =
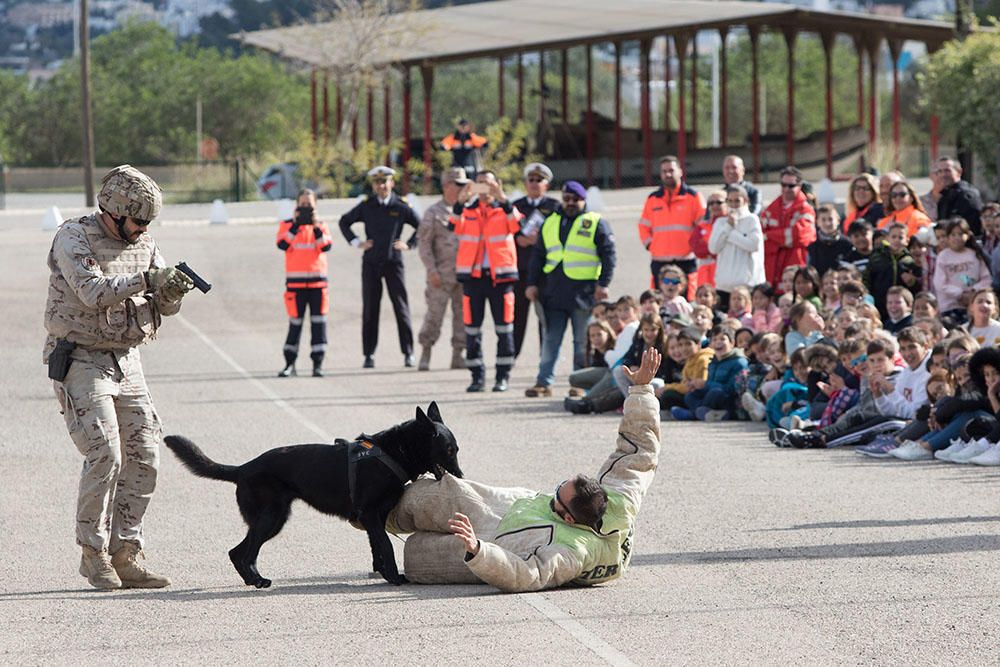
363,450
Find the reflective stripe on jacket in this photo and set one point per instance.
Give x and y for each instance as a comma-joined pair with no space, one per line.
486,229
579,257
305,254
667,221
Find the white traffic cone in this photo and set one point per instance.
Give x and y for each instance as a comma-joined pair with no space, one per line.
595,202
53,218
218,216
286,208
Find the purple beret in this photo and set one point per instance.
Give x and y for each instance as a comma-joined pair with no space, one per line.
574,187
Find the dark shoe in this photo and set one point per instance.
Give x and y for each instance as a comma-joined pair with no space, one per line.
475,387
408,361
578,406
369,361
287,371
806,440
501,384
318,372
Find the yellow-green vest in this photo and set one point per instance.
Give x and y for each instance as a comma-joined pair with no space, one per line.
579,256
603,556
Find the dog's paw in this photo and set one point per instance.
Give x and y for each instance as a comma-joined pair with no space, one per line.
262,583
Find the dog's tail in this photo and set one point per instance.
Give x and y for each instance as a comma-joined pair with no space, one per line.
195,460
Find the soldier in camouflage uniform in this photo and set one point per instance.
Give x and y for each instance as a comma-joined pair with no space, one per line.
108,288
438,247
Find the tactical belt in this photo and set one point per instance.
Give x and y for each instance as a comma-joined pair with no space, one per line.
361,450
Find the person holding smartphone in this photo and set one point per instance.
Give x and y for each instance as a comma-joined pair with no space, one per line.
305,240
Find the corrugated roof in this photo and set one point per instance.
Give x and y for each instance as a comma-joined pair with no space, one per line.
510,26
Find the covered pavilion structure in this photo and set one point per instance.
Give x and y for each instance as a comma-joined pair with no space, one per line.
509,29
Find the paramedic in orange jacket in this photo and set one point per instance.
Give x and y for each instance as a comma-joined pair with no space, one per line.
464,145
669,217
305,240
789,227
486,266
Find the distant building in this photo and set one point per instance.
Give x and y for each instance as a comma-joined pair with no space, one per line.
42,15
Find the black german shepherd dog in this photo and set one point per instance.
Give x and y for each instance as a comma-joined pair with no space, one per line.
360,481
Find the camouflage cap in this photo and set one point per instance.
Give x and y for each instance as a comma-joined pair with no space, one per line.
126,191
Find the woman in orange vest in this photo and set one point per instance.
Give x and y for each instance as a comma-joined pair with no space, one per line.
904,206
486,265
305,240
863,201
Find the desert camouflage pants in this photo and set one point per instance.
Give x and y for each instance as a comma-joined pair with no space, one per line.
113,424
438,299
433,555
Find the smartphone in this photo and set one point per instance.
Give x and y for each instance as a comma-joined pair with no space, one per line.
479,189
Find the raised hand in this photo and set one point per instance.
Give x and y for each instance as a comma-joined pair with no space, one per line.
647,369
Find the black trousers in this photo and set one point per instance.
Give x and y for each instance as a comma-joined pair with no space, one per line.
522,308
476,294
296,302
372,275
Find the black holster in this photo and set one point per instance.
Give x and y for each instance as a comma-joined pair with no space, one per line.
60,359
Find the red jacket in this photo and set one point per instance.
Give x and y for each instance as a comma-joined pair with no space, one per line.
699,246
788,231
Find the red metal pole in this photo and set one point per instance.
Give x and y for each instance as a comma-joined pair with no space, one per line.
387,122
828,38
680,44
407,133
371,113
790,36
935,123
312,93
873,57
340,110
755,100
500,82
618,114
644,112
860,93
724,90
564,86
326,107
541,89
427,75
520,87
590,114
895,49
694,91
667,78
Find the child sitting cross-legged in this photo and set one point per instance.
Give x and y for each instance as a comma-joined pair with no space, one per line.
696,362
714,399
600,338
749,384
790,400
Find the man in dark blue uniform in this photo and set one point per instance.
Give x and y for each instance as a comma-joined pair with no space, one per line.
535,206
383,214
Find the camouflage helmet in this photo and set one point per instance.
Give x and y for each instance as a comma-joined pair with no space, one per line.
126,191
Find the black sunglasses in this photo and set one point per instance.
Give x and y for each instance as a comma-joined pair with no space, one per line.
790,186
140,223
552,505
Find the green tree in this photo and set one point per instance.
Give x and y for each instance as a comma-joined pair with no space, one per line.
962,85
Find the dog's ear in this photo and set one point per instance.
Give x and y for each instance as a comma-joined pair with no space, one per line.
422,418
434,413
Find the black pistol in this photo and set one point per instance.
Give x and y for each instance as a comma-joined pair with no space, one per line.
198,281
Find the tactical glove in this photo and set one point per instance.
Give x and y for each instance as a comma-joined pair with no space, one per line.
175,288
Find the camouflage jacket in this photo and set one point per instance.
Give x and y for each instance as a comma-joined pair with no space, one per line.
532,551
438,245
97,288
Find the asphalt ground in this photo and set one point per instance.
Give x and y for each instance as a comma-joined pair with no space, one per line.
744,553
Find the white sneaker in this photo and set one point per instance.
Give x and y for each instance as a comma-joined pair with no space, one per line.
972,451
754,408
912,451
957,445
991,457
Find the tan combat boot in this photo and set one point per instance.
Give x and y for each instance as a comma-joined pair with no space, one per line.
96,567
458,358
425,359
134,575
